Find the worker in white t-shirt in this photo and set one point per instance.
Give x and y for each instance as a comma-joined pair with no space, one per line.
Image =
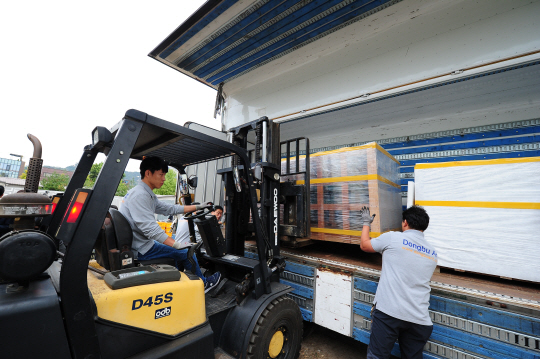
182,230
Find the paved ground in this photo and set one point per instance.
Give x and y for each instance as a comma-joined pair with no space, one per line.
322,343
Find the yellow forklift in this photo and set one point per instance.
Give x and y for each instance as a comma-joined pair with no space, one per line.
55,302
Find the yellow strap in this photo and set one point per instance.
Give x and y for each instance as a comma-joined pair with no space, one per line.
293,158
512,205
343,231
500,161
350,178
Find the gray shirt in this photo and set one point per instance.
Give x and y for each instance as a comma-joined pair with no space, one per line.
139,206
408,262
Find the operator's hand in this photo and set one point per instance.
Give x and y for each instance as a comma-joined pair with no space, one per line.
366,219
198,207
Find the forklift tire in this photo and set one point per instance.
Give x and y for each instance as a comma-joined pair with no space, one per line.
278,332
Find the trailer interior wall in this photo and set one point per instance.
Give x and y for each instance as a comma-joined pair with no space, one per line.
508,96
410,41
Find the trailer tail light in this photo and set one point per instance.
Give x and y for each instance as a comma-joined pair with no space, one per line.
76,208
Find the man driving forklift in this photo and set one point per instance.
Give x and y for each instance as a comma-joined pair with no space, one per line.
149,240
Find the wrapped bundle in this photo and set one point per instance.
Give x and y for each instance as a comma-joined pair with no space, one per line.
345,180
484,215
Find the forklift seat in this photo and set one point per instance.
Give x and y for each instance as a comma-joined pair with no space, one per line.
113,246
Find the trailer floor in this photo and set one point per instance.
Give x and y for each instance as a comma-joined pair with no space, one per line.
351,254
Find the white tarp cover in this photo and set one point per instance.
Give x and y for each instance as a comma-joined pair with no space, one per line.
484,215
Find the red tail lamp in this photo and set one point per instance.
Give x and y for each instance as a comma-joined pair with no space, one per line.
76,208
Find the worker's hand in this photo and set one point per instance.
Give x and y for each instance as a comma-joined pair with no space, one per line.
203,206
366,217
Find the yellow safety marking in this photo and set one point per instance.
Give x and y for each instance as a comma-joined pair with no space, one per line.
351,178
276,344
512,205
500,161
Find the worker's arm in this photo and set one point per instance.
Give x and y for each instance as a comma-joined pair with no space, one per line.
365,240
171,209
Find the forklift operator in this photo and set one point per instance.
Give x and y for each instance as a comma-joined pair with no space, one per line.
149,240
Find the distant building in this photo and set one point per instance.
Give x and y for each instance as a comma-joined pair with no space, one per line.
47,172
12,185
11,168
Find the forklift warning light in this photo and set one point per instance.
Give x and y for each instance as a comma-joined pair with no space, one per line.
75,210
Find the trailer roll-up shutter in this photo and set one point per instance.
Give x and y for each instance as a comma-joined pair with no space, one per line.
226,39
486,116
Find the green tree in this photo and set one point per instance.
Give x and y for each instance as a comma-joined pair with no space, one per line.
93,175
23,175
55,182
169,187
122,189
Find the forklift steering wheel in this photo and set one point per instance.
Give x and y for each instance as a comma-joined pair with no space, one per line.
196,214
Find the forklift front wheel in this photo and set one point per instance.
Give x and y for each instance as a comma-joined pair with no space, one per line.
278,332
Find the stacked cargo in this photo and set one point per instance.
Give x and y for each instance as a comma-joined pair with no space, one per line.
345,180
484,215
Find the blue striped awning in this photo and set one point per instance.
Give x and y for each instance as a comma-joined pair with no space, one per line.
233,44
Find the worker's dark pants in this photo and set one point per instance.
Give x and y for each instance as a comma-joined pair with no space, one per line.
386,329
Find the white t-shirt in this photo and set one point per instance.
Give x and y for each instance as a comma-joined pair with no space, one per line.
182,233
408,262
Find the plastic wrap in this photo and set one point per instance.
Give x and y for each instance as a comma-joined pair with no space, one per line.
484,215
345,180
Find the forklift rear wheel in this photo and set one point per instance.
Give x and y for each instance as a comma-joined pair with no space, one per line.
278,332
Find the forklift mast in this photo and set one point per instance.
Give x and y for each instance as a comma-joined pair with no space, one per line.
265,167
277,196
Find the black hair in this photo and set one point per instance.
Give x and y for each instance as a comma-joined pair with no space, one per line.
218,207
153,164
1,191
416,217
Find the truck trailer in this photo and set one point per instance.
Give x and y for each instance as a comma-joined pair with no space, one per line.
430,81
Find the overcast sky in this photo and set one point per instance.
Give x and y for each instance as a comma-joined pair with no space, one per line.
68,66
